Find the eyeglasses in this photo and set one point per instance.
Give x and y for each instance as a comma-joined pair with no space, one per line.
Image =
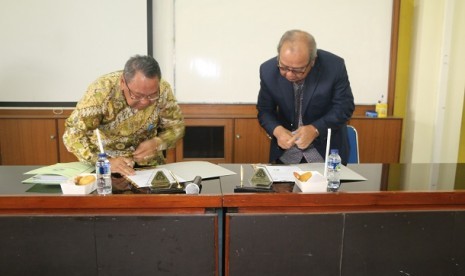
296,71
136,98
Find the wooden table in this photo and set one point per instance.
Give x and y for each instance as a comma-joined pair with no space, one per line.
395,223
398,222
118,234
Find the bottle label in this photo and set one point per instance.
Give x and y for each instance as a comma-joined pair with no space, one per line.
103,169
335,166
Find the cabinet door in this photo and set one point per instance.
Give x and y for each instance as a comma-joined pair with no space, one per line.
379,139
28,142
207,140
251,144
64,154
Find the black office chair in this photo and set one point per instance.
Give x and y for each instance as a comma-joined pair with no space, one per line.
353,142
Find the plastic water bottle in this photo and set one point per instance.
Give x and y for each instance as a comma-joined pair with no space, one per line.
334,169
103,171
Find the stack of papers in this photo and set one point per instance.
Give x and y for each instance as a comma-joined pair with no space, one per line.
58,173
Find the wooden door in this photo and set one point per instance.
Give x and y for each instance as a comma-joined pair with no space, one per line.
28,141
64,154
251,143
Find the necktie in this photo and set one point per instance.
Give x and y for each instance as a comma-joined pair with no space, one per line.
298,88
294,155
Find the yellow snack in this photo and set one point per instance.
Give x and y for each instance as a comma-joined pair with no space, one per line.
303,177
84,180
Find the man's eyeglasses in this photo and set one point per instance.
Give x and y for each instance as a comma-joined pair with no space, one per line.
295,71
136,98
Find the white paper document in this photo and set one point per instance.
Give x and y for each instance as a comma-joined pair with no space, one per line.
57,173
182,171
188,170
143,178
285,173
282,173
346,173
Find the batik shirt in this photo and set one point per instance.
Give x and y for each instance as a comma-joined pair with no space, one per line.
121,127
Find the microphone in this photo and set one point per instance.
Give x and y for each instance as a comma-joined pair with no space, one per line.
194,187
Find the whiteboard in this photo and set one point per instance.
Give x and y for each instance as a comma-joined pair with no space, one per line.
220,44
52,50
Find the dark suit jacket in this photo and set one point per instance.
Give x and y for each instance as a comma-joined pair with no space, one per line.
327,103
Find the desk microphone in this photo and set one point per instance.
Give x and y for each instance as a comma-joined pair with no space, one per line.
194,187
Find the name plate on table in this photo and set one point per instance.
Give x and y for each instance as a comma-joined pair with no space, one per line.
160,181
260,182
261,178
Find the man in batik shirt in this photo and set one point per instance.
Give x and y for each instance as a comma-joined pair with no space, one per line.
136,113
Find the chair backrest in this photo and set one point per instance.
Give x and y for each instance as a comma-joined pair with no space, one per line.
353,144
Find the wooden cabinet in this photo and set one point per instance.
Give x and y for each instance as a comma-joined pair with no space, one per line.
33,137
207,140
28,141
251,143
379,139
237,141
218,133
243,140
64,154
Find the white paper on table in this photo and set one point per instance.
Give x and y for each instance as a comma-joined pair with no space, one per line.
346,173
143,178
183,171
188,170
282,173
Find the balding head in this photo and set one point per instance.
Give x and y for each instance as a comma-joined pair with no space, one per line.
298,41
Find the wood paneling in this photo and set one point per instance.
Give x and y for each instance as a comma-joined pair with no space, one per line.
64,154
379,139
251,143
245,140
28,141
219,110
114,204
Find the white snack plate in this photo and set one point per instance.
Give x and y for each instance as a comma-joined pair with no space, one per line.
316,184
70,188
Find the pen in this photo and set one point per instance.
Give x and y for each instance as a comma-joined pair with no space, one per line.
242,175
178,186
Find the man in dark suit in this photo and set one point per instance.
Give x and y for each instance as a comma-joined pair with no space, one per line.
303,92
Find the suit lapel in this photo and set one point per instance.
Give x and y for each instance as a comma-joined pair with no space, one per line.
311,82
287,91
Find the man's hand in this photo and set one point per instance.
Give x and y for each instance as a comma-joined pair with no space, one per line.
284,137
122,165
146,150
304,136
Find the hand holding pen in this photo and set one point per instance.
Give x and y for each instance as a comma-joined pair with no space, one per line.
146,151
122,165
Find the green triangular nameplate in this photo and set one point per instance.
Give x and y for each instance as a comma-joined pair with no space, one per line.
261,178
160,180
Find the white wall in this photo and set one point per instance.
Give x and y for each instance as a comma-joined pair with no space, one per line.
437,82
218,45
51,50
210,50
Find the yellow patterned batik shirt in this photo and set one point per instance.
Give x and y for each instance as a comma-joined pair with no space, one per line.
122,128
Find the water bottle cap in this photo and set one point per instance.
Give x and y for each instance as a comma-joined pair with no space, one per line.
334,151
102,154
